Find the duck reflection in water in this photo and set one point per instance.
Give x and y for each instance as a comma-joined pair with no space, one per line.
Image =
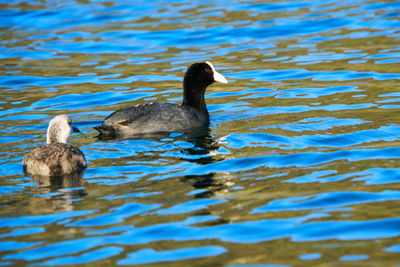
203,153
62,200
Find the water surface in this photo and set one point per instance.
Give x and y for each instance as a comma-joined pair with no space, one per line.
299,166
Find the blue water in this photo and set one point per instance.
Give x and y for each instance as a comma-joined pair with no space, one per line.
300,164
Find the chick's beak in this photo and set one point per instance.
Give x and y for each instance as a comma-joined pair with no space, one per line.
76,130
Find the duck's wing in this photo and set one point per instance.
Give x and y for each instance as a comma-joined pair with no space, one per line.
54,160
153,117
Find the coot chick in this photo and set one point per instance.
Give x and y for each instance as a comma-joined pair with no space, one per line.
56,158
167,117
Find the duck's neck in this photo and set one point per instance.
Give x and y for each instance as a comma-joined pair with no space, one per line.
193,96
55,135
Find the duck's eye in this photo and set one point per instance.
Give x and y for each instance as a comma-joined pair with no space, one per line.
207,70
69,122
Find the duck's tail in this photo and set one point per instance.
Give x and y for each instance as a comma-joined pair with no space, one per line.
105,130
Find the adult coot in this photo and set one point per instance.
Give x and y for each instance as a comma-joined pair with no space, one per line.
56,158
168,117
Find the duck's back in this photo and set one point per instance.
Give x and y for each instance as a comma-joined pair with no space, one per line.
54,159
153,117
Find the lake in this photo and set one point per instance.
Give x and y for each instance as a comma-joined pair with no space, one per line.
300,165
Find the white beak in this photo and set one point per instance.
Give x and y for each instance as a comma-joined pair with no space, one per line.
217,76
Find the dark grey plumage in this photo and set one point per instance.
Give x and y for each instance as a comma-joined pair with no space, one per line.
167,117
56,158
152,117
